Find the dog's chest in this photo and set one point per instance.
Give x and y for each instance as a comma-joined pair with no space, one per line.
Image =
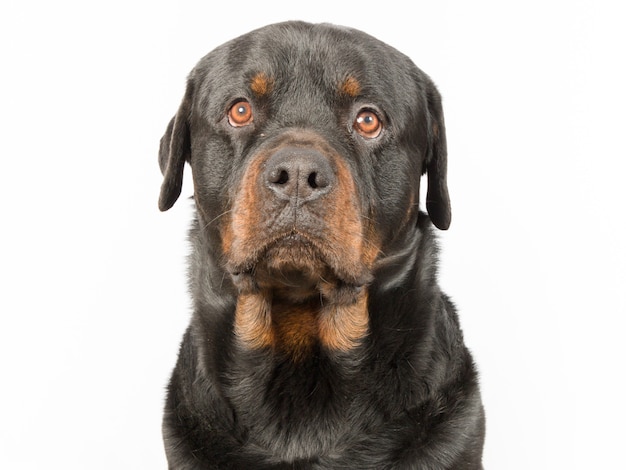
298,410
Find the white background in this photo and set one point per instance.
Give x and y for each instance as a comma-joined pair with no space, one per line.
93,297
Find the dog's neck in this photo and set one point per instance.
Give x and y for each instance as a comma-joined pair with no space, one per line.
305,343
264,321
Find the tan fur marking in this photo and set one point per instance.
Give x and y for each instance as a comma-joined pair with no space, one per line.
227,233
345,230
296,328
261,84
239,235
341,328
371,244
350,87
436,130
253,321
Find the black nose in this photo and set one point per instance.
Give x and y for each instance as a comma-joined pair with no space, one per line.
300,173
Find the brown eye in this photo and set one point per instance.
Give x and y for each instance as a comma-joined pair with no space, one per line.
240,114
368,124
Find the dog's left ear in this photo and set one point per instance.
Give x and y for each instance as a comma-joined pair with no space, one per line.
436,164
174,151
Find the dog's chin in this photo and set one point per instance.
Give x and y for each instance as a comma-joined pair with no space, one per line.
294,270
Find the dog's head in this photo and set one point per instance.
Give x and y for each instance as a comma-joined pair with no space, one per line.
307,144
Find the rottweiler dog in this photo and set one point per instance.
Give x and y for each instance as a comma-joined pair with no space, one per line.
319,338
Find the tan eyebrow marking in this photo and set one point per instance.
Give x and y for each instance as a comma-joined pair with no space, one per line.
261,84
350,86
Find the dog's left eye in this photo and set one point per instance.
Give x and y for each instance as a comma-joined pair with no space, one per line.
368,124
240,114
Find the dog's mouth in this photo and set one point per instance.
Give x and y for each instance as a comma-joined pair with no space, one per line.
295,294
296,267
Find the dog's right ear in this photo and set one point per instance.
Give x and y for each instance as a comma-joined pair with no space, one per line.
174,151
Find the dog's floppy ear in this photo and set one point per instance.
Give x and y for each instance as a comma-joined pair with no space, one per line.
436,165
174,151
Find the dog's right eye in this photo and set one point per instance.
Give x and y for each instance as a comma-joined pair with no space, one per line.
240,114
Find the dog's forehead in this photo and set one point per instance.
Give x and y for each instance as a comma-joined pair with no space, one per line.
317,52
336,61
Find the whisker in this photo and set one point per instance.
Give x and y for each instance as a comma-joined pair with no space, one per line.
215,218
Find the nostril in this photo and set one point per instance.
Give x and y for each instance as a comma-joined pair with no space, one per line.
279,177
283,178
319,179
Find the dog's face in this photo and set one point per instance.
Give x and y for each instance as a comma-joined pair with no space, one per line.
307,143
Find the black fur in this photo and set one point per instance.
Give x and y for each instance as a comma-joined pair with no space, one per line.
406,396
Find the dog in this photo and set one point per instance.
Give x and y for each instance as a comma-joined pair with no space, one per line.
320,338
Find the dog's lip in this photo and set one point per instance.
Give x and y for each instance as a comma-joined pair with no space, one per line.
289,240
292,238
295,240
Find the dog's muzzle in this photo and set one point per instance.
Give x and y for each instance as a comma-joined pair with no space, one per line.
296,219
